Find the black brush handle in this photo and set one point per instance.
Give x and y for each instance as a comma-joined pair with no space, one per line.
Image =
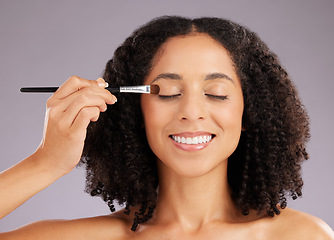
53,89
39,89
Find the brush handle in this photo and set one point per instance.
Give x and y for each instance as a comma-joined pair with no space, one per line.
39,89
53,89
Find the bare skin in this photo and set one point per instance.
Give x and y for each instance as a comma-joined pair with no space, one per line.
296,225
194,196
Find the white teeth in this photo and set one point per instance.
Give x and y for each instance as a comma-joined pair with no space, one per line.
200,139
194,140
183,140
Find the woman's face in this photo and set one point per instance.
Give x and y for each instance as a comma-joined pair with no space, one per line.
194,124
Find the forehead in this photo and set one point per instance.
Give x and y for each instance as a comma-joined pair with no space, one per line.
192,54
192,50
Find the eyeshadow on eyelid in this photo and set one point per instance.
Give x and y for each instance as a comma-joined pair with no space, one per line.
168,89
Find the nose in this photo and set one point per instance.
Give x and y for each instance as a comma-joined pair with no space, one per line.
192,107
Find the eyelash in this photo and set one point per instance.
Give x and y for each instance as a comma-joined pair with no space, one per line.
165,97
217,97
168,96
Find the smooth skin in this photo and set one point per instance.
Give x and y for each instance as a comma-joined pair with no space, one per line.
200,96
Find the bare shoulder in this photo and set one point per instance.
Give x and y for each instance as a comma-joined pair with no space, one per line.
295,224
102,227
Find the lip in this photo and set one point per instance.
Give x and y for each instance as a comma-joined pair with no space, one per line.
192,134
192,147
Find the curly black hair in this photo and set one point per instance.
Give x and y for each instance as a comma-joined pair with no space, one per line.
265,168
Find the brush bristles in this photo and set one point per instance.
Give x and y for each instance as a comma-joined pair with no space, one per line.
154,89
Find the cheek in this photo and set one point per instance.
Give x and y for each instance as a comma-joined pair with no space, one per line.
156,118
235,116
229,120
151,112
229,115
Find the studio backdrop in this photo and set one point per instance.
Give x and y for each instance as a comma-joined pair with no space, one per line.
42,43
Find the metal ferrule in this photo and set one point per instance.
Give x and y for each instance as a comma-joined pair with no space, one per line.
136,89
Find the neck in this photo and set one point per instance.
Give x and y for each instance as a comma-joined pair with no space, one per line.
192,202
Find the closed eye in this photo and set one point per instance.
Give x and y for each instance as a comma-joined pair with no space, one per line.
169,96
216,96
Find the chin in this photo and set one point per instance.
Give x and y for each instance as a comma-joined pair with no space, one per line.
194,168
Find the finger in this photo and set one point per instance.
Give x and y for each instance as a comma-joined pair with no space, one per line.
85,97
101,82
74,84
71,113
84,117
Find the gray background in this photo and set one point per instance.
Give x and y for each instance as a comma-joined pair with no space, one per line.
45,42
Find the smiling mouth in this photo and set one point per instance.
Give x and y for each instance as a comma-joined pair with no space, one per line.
193,140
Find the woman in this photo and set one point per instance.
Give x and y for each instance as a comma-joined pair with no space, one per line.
214,155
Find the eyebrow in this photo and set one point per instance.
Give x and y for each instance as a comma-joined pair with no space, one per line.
174,76
171,76
213,76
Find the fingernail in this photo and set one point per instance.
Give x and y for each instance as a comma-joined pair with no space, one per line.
113,100
102,83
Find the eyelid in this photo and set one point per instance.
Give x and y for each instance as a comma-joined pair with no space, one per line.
177,95
220,97
168,96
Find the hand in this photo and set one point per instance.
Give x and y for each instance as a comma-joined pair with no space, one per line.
69,111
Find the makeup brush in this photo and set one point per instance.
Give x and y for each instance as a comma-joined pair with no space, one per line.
151,89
